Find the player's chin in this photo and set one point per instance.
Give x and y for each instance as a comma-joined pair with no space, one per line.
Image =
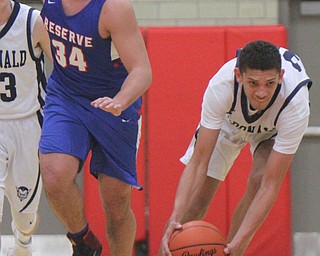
260,105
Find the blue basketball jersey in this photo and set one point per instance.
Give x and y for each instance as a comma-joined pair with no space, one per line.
86,67
84,63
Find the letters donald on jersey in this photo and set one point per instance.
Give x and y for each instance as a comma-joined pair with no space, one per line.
12,58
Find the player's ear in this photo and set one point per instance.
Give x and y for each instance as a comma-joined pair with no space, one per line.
238,75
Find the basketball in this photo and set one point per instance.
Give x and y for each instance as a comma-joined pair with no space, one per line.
197,238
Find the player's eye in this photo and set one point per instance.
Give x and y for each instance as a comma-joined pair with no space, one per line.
252,83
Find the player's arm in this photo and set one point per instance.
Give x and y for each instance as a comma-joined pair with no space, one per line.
191,183
195,173
291,126
41,38
274,173
118,20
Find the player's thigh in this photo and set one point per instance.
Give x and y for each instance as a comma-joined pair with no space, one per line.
63,132
261,155
114,151
260,158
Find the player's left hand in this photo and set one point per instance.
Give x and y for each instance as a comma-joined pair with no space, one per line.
170,228
109,105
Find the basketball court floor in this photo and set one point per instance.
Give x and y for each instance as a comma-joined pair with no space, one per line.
43,245
305,244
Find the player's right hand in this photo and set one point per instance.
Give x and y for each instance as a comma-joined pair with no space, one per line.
109,105
171,227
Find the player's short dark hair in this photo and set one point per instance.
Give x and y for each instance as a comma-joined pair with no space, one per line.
259,55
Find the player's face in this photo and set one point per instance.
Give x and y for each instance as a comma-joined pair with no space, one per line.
259,86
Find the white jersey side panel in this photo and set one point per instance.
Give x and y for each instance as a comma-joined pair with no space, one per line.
21,72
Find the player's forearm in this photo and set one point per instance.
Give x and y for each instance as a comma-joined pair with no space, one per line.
137,82
256,215
190,184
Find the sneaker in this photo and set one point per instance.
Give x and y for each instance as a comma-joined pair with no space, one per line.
88,245
20,249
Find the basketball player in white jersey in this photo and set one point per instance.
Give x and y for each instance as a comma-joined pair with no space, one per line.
261,98
22,80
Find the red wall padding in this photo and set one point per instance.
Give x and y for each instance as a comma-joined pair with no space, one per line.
183,60
238,36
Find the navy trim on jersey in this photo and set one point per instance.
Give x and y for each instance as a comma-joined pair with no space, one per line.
244,106
35,191
12,18
42,87
235,93
236,86
307,82
40,117
29,34
39,62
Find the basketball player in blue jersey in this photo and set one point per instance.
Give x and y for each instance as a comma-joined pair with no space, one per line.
261,98
23,39
101,69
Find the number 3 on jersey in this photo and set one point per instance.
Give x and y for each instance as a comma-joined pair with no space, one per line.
76,57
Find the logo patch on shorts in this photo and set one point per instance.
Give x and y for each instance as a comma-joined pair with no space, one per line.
22,192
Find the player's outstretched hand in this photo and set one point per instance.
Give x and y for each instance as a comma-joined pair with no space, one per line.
109,105
171,227
234,250
227,250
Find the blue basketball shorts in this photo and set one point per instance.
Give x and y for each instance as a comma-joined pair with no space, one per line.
74,127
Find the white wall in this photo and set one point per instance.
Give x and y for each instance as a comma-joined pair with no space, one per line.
206,12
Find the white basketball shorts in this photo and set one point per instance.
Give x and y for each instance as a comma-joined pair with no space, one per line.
19,163
229,144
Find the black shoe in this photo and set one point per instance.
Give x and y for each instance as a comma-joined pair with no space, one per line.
88,245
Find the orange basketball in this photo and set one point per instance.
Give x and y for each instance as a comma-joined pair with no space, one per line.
197,238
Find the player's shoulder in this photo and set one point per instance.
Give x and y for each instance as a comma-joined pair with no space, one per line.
224,78
292,64
117,5
289,56
227,70
25,9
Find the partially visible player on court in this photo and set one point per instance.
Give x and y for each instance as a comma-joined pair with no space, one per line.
23,39
261,98
101,69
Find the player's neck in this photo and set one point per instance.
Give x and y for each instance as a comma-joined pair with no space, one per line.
5,9
73,7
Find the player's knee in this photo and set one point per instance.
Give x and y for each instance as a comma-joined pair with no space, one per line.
53,184
115,210
25,223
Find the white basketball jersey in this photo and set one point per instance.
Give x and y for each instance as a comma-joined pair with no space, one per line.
22,78
286,115
266,120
